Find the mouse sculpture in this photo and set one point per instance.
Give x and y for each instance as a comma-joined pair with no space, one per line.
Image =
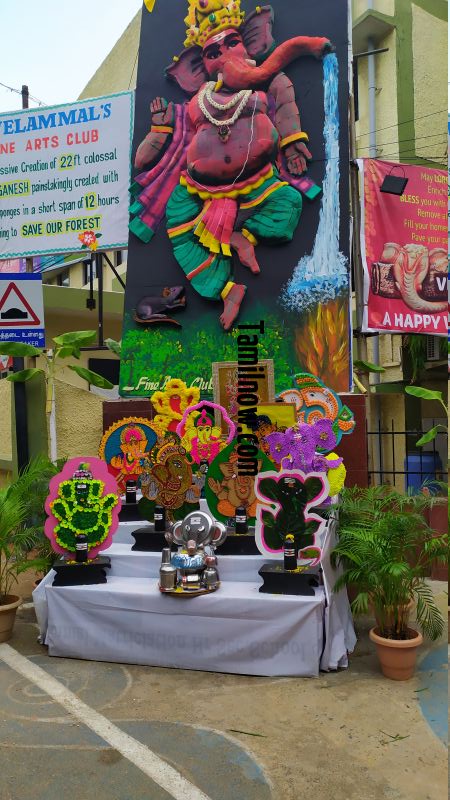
153,308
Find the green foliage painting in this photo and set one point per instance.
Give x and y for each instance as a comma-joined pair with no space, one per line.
150,356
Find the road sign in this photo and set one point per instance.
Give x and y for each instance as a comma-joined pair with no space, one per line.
22,309
6,363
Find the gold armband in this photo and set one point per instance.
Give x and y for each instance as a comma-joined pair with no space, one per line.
300,136
249,236
161,129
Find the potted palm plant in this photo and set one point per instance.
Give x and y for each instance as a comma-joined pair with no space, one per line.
385,549
20,532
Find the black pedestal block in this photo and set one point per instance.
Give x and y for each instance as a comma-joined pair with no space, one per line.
277,580
129,512
148,540
239,544
236,544
81,574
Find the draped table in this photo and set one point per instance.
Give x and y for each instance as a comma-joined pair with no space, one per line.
236,629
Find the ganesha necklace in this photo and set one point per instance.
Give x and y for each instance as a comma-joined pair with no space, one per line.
239,100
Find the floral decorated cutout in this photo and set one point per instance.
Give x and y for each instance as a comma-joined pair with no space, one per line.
303,447
315,402
285,500
82,499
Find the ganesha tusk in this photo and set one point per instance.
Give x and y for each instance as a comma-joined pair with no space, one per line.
219,82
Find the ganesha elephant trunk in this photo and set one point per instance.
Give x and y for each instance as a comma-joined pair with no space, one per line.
243,75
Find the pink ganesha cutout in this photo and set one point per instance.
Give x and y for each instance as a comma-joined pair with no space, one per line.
83,498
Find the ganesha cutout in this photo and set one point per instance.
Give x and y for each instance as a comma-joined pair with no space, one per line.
226,166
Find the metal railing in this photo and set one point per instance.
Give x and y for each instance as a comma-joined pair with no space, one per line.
400,462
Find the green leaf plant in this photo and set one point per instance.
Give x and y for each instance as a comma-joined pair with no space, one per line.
115,347
428,394
386,550
21,524
67,345
367,366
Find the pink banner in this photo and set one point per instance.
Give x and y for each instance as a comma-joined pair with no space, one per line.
13,265
404,250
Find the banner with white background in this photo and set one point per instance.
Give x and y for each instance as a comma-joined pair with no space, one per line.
64,177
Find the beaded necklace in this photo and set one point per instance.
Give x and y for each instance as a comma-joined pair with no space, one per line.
239,100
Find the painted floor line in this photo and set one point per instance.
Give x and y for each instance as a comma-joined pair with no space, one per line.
142,757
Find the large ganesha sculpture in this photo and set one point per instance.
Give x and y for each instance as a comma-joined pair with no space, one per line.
226,167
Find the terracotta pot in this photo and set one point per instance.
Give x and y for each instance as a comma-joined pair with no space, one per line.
397,656
8,615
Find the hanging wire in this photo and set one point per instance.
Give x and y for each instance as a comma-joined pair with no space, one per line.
19,91
413,139
404,122
385,156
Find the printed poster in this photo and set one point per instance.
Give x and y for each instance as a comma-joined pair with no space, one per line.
404,249
64,177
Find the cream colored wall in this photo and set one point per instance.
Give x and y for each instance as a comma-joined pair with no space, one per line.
118,71
430,51
79,421
77,276
382,6
387,408
390,347
5,420
57,323
385,103
392,407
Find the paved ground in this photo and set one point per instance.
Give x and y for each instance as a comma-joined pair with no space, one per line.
351,735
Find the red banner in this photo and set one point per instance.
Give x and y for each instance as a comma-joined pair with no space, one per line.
404,249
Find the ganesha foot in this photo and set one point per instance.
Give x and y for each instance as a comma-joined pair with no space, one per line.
245,250
231,305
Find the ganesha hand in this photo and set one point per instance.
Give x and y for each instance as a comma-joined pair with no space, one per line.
297,156
161,128
162,112
214,485
328,48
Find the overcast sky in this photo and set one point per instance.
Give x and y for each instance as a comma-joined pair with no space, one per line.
55,46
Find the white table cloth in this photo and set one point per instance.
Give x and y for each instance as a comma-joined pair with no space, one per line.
236,629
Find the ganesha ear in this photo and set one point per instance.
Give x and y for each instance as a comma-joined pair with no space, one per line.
257,33
188,71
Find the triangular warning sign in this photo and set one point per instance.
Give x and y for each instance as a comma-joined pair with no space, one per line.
15,316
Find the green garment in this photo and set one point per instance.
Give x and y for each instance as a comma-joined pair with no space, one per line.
275,219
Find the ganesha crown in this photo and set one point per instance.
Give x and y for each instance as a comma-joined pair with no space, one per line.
207,18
